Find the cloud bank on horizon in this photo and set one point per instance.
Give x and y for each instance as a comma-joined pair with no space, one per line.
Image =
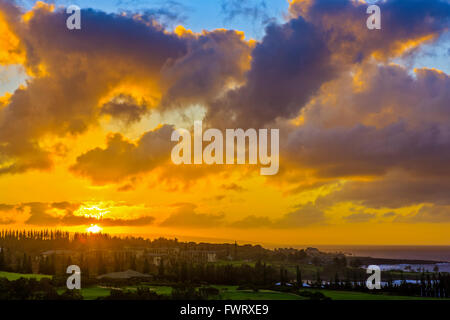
364,137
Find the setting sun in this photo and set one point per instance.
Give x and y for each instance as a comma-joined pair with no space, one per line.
94,229
212,151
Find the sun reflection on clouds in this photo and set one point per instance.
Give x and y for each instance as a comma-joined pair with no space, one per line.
93,210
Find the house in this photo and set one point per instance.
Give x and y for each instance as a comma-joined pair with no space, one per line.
200,256
57,253
156,255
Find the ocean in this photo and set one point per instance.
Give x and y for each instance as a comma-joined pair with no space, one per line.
441,267
434,253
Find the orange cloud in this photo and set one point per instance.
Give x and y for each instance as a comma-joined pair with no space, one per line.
11,50
122,159
38,6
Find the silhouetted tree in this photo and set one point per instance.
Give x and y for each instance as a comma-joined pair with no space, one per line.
2,259
299,277
161,268
146,268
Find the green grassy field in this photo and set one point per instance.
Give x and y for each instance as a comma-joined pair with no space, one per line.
226,292
352,295
91,293
231,293
165,290
11,276
94,293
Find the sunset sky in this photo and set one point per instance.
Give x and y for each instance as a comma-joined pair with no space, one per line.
86,118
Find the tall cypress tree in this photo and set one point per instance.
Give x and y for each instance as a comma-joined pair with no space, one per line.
52,265
133,262
146,266
2,258
161,268
24,267
101,267
299,277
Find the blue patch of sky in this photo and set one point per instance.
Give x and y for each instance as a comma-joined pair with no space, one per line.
11,77
432,55
249,16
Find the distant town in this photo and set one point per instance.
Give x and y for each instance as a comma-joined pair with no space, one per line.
136,268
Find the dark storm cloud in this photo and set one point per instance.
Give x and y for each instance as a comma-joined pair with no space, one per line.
213,61
343,23
288,66
364,150
393,191
410,131
125,108
294,59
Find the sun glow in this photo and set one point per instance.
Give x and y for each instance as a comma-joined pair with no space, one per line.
94,229
96,211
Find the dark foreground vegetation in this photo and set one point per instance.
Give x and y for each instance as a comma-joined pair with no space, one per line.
143,269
